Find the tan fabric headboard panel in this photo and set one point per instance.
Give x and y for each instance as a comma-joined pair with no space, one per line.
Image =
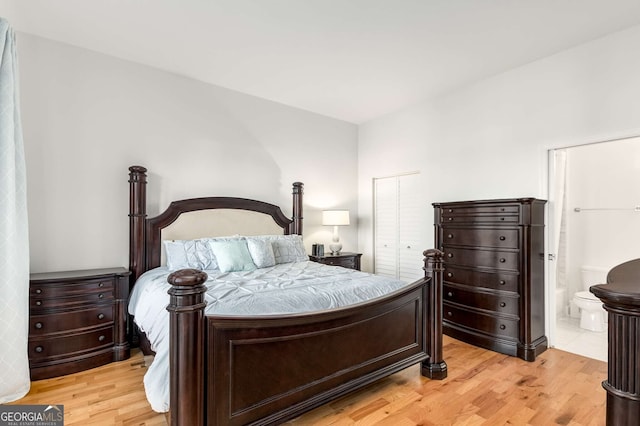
218,223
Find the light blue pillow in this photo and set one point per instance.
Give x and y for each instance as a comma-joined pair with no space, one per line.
232,255
261,252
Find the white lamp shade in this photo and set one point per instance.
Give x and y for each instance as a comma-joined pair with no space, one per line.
335,217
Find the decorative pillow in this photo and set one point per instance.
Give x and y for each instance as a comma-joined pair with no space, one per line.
183,254
261,252
287,248
232,255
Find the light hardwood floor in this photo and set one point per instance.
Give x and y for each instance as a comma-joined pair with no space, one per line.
482,388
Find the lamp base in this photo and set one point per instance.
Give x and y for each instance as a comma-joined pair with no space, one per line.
335,248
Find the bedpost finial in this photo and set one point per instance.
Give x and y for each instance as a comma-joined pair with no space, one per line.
298,187
187,277
138,169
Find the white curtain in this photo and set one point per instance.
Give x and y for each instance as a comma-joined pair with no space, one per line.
14,238
558,221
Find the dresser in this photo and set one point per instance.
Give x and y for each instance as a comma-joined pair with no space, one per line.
493,294
77,320
346,260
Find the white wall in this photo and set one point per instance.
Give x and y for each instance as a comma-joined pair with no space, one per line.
489,140
87,117
602,176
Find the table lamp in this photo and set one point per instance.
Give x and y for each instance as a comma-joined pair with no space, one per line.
335,218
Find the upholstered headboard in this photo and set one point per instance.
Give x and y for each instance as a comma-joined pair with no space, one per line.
199,217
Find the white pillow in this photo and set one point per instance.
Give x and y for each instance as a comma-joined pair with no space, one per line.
286,248
183,254
232,255
261,252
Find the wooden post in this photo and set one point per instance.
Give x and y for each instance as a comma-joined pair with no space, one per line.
187,340
296,226
434,367
137,216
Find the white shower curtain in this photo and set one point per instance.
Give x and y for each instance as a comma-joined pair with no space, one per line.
14,238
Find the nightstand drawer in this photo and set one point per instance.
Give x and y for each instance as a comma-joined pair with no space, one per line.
67,321
69,345
345,260
71,289
76,300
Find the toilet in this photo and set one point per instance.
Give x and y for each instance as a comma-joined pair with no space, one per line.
592,314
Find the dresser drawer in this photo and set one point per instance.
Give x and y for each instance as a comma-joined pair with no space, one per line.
496,302
498,238
494,280
495,259
70,344
480,214
67,321
70,289
71,295
486,323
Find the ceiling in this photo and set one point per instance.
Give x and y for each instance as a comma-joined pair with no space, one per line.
349,59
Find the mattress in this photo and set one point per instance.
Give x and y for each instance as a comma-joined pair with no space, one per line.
286,288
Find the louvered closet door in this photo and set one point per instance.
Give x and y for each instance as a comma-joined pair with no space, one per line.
412,228
400,227
386,225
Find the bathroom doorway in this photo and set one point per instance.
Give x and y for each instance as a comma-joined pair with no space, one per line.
594,225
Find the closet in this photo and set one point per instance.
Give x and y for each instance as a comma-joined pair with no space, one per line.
400,227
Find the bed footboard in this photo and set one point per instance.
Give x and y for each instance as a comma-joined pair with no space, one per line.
265,370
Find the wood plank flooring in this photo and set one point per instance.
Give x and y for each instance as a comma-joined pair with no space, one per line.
483,388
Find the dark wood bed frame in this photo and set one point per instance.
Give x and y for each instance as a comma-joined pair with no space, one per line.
265,370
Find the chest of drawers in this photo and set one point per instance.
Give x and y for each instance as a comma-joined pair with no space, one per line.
494,273
77,320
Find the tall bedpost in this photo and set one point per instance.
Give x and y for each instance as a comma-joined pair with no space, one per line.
137,216
434,367
187,350
296,226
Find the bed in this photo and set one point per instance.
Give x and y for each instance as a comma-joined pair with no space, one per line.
234,367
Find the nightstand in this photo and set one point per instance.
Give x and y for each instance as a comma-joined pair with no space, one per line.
77,320
345,259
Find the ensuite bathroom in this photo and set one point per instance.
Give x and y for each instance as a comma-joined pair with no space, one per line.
594,219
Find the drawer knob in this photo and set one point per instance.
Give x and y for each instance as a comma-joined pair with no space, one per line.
502,282
450,210
502,304
101,284
450,294
449,235
502,238
502,218
502,260
39,349
38,325
449,313
38,291
101,338
38,302
449,274
449,218
100,316
100,296
449,255
502,326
